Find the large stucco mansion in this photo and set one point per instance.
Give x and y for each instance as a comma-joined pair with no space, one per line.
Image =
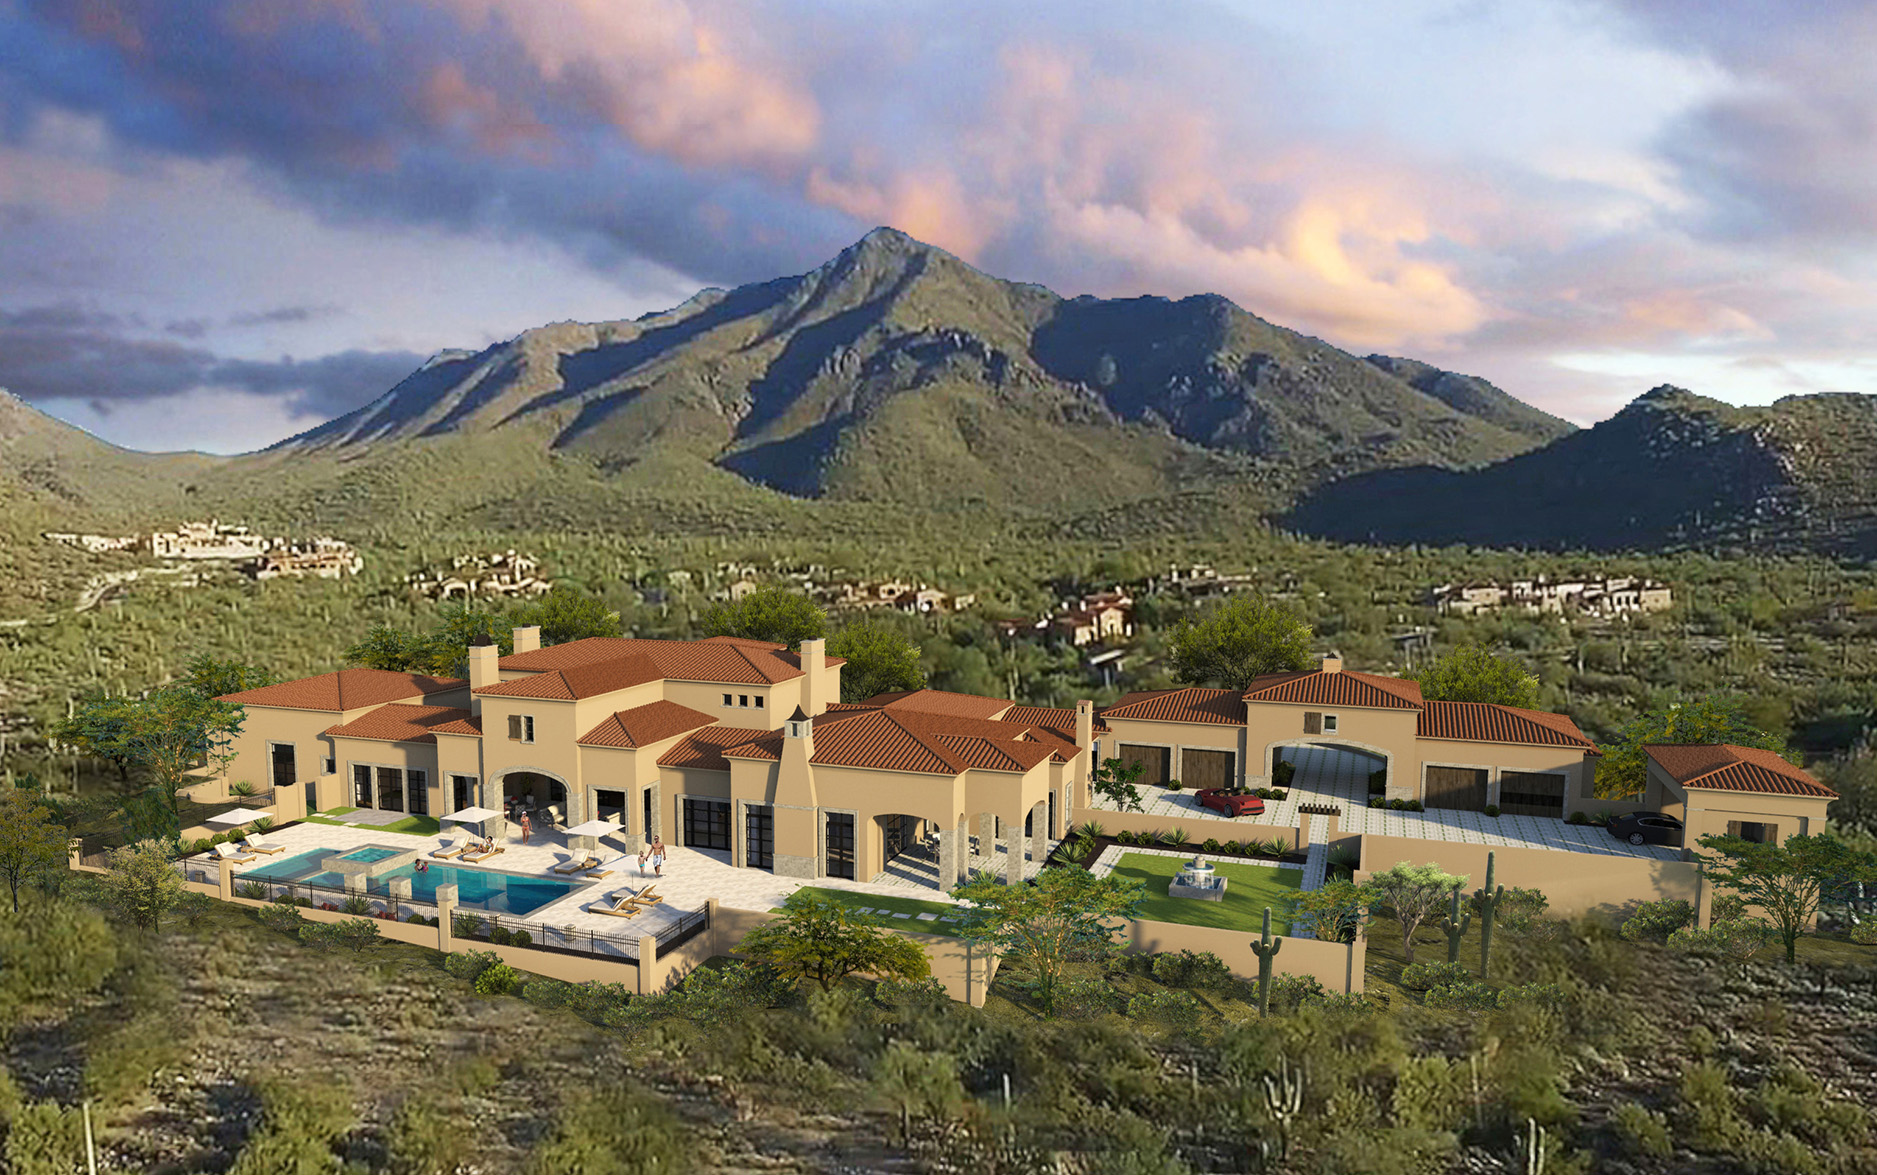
744,747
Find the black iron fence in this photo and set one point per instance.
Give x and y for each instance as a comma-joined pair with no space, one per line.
488,926
683,930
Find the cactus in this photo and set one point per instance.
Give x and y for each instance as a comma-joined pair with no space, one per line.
1266,949
1534,1147
1283,1100
1456,927
1486,901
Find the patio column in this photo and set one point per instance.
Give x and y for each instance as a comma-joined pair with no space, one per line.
1013,864
1039,833
947,857
987,834
446,909
225,878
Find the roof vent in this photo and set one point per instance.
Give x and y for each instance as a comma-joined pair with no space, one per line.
1332,664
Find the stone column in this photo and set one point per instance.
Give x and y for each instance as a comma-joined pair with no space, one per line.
948,866
1013,863
987,835
446,909
400,891
225,878
1039,833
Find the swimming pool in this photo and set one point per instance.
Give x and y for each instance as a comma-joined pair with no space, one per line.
370,853
477,889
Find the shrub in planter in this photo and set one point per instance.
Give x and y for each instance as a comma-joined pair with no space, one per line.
1171,837
520,938
1173,785
356,904
417,919
1492,810
283,899
499,934
1576,818
263,823
1377,802
1211,845
1414,806
1279,794
465,926
1423,976
202,845
241,788
1397,805
1232,848
304,903
254,891
1263,793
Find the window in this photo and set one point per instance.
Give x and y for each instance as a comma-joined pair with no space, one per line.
285,774
361,786
726,700
759,701
840,839
521,728
1329,724
332,767
417,793
1759,834
1312,722
706,823
759,838
743,700
462,792
390,789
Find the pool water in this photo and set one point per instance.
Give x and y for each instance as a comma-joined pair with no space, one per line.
369,853
477,889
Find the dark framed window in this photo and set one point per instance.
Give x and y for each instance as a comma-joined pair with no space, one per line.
759,836
417,792
462,791
1748,830
1312,722
706,823
285,774
521,728
361,786
390,789
759,701
727,700
840,841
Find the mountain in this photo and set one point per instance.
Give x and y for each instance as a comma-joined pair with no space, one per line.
48,463
896,373
1671,469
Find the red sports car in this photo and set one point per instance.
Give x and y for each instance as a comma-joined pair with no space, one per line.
1230,803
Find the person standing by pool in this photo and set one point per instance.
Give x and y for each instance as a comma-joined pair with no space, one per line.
658,857
644,856
526,827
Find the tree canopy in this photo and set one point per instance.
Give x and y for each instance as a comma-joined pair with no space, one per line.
1063,915
1472,673
823,940
29,840
166,733
879,660
1238,640
567,614
769,613
1785,880
1623,771
1413,893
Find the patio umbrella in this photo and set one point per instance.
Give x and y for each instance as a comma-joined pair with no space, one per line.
469,816
592,830
235,817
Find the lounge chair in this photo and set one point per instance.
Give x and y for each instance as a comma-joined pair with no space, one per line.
485,856
649,896
620,905
454,848
257,843
577,865
597,868
227,853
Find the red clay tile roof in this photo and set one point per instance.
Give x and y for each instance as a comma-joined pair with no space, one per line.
345,689
1726,767
920,742
703,749
471,725
1055,717
938,701
580,681
1342,688
1485,722
1219,707
399,723
723,660
643,725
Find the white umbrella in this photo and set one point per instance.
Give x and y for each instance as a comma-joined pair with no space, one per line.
593,830
470,815
235,817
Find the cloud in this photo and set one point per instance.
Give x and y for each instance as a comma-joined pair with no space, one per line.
70,352
282,314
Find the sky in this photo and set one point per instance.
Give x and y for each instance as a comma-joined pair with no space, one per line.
225,221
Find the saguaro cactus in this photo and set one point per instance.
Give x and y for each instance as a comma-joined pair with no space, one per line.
1456,927
1283,1100
1266,949
1486,901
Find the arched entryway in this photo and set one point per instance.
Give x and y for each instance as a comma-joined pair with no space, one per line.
542,795
1333,769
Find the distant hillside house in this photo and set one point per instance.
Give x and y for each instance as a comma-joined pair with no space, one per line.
208,540
1609,596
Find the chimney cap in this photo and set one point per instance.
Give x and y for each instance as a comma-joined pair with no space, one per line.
481,641
798,716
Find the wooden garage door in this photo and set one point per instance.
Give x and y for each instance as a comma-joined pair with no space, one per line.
1208,769
1455,787
1154,761
1531,793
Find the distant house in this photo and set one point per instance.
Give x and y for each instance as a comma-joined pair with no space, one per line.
1608,596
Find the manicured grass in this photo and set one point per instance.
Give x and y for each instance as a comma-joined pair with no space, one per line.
414,825
1249,889
911,906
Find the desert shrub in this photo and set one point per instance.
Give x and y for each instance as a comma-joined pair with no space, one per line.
1423,976
1865,934
1087,998
1544,995
1709,1108
1211,845
1177,1010
469,965
1726,907
1462,996
253,891
1492,810
1739,940
356,904
195,908
615,1130
500,979
1656,921
712,996
1171,837
1642,1131
1432,1093
1201,969
124,1053
241,787
1289,992
590,1000
299,1126
426,1136
286,919
1576,818
62,950
44,1138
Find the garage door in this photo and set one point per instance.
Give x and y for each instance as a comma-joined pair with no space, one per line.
1455,787
1154,761
1208,768
1531,793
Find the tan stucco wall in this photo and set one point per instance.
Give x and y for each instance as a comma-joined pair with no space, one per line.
406,756
1500,757
305,729
1178,736
1337,966
1577,884
1707,813
1388,734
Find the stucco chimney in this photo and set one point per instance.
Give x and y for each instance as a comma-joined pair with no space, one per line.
1332,664
1085,723
795,777
483,669
528,639
814,657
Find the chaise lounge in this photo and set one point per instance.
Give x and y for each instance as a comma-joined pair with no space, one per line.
620,905
599,869
227,853
258,843
577,865
485,856
452,849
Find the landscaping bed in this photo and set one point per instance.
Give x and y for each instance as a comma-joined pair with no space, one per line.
912,906
1249,889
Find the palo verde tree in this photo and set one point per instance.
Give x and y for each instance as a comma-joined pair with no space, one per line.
769,613
168,732
1061,916
1233,642
826,941
566,614
1786,880
1623,771
1414,893
1334,911
30,842
879,660
1472,673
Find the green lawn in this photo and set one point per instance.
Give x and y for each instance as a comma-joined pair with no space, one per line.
1249,889
911,906
415,825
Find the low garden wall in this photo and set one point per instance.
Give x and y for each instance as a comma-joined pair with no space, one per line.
1338,966
1197,829
1577,884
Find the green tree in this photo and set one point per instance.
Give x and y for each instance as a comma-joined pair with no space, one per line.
1334,911
1413,893
1114,781
823,940
29,840
1854,778
1048,923
1785,880
143,883
456,627
1471,673
167,733
769,613
1623,772
1243,638
567,614
212,677
879,660
392,649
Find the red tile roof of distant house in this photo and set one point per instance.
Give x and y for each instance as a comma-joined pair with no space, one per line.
1487,722
345,689
580,681
724,660
703,749
643,725
399,723
1727,767
1341,687
1055,717
918,741
1218,707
